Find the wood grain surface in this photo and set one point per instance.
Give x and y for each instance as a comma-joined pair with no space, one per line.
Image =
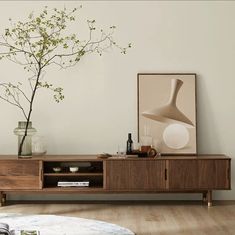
135,175
146,218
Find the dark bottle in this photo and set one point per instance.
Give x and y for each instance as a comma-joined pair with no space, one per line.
129,144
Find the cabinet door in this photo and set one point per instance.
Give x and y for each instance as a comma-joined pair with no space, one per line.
117,175
147,175
135,175
183,174
19,174
214,174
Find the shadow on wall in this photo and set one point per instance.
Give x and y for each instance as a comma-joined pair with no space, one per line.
207,133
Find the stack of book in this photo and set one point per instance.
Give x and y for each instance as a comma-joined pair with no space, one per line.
73,184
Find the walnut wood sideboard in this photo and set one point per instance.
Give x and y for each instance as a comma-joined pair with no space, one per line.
191,174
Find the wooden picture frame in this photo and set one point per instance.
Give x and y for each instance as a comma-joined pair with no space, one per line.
167,112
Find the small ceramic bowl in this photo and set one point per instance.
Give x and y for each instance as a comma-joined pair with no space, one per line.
57,169
74,169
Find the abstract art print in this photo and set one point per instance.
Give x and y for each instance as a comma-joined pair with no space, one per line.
167,112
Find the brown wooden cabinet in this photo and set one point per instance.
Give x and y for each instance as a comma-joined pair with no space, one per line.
214,174
117,173
200,174
183,174
132,175
19,175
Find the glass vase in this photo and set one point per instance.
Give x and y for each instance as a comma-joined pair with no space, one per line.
27,145
38,145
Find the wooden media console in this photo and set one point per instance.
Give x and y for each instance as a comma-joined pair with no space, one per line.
191,174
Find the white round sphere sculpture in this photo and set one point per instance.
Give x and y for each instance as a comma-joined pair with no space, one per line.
176,136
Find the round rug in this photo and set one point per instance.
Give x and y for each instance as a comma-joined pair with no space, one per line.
62,225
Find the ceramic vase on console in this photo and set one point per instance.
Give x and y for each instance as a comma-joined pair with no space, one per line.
27,145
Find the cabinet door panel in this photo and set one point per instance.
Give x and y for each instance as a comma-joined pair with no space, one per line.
19,182
147,175
183,174
19,168
156,174
213,174
117,175
19,174
135,175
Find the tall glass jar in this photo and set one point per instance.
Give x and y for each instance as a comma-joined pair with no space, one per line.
38,145
27,145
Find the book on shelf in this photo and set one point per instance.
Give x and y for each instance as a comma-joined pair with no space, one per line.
73,184
5,230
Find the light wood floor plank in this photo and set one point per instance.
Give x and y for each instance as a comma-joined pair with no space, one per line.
163,218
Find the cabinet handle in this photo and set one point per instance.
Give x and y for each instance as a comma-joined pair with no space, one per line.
165,174
42,176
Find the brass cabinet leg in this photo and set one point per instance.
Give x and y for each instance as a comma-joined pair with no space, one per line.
204,196
209,198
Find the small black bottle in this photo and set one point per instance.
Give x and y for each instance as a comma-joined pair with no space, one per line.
129,144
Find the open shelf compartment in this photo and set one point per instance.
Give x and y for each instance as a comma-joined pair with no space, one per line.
91,171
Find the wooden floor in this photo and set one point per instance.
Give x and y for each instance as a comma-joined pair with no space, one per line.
171,218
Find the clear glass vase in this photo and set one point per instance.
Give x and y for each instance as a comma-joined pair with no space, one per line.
27,145
38,145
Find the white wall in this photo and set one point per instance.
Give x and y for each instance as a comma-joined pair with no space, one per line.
100,93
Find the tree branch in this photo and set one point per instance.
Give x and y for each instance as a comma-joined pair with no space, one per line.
20,107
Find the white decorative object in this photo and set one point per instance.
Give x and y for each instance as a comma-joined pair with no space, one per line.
176,136
62,225
57,169
74,169
38,145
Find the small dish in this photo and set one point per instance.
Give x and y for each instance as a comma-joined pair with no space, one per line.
74,169
104,155
57,169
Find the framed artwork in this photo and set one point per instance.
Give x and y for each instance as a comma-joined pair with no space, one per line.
167,112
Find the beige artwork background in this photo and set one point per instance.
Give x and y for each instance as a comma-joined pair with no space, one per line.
153,92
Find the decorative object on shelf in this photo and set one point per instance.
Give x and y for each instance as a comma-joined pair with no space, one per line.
44,40
104,155
146,139
129,144
38,145
57,169
26,150
138,153
145,148
73,169
146,151
152,152
172,123
53,224
142,154
73,184
121,152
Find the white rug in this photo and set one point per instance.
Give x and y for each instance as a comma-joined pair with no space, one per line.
62,225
